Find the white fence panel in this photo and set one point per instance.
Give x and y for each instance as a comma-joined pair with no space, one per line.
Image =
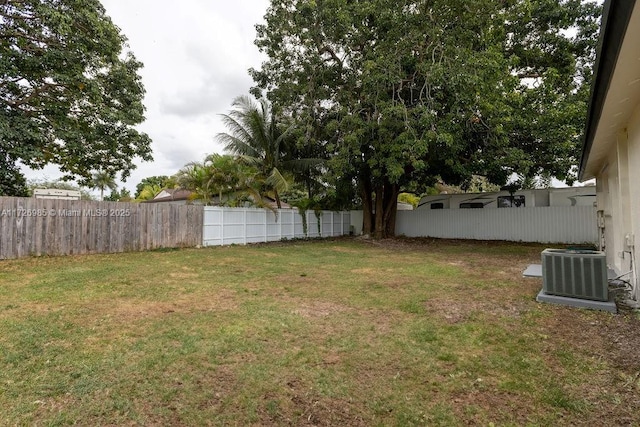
287,222
250,230
226,226
314,224
212,227
235,229
357,218
274,229
298,226
338,224
561,224
327,224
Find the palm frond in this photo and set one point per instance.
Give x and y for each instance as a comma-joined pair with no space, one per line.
300,165
237,145
277,181
258,201
249,160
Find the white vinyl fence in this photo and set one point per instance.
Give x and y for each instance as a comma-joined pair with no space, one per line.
561,224
227,226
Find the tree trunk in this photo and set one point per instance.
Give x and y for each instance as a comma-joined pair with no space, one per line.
379,218
391,222
367,207
381,221
379,214
277,197
391,192
309,189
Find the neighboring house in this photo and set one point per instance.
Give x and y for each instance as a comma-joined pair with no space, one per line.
611,150
174,196
54,193
571,196
179,196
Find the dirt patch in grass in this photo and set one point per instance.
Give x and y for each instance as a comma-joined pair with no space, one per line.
344,250
623,335
319,309
455,311
613,338
324,411
131,309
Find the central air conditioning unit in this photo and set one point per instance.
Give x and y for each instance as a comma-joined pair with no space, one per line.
575,273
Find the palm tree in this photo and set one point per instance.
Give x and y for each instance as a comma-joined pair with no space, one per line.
256,138
149,191
103,180
224,174
196,177
247,186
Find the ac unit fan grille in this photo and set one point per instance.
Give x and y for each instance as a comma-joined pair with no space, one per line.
577,274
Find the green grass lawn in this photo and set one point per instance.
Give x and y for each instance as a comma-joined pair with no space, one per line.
341,332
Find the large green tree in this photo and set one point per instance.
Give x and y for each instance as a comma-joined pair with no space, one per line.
550,49
69,94
409,91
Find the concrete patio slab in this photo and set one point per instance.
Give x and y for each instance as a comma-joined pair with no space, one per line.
534,270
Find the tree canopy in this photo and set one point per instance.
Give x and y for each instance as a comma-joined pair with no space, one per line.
400,93
232,180
119,195
154,183
69,94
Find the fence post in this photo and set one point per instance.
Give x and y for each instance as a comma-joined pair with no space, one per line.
204,222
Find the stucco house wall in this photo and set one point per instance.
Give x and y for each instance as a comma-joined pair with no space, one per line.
611,150
618,197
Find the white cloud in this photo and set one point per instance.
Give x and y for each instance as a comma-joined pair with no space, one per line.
196,54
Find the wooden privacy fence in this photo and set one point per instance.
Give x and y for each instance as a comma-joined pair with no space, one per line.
227,226
30,226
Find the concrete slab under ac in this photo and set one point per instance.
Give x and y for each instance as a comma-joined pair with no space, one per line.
609,306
